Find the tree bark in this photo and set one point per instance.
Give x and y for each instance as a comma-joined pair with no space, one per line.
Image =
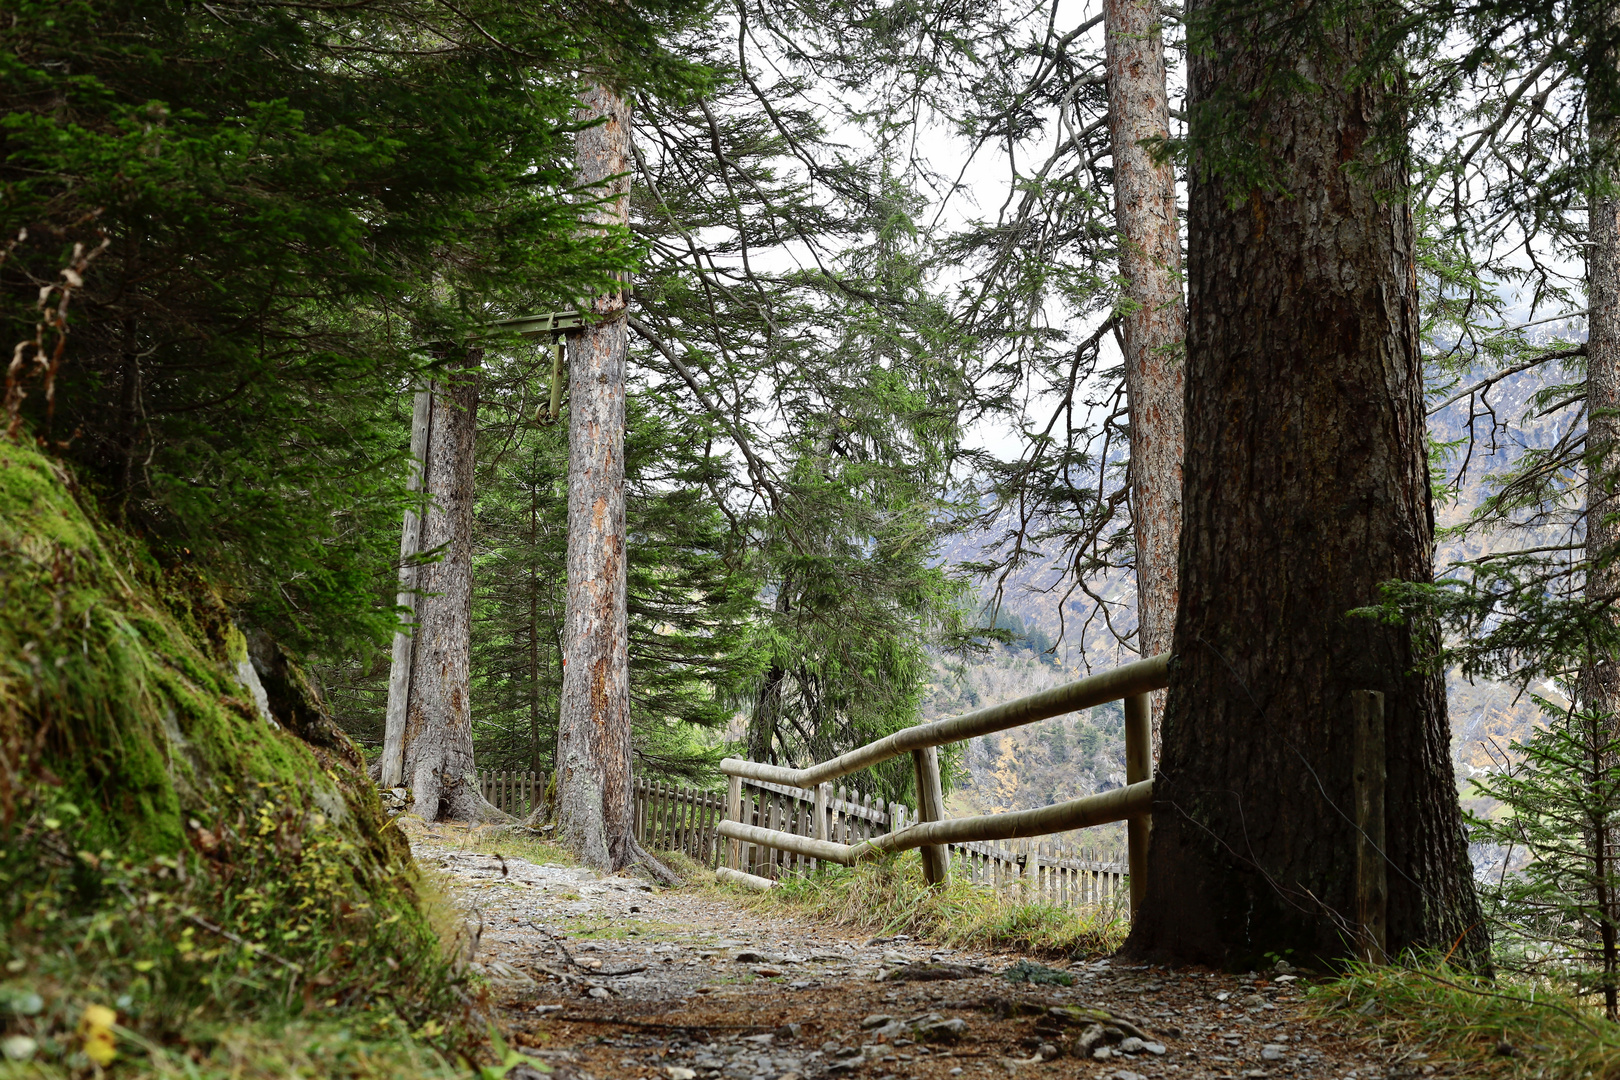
392,771
1306,487
534,621
1152,315
438,745
593,731
1600,680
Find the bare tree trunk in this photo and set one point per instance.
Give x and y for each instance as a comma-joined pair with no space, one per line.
1153,316
438,746
534,626
593,730
1306,488
410,546
1600,681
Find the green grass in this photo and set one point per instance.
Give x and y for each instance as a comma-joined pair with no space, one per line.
889,896
1454,1016
504,841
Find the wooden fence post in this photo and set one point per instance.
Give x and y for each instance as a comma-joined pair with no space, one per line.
1370,772
823,796
1138,767
936,859
734,813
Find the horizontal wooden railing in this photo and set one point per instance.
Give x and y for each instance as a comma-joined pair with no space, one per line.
668,817
1039,871
933,834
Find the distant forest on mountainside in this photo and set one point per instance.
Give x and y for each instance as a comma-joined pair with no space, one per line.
1063,637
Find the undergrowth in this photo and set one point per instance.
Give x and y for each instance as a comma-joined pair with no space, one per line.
258,960
889,896
1485,1027
188,886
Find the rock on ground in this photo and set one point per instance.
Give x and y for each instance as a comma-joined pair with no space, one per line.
613,977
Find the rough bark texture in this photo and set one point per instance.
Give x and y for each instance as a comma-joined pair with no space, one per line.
1601,682
1306,486
438,746
1153,316
593,731
391,771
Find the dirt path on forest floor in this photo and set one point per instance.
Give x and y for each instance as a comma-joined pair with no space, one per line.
613,978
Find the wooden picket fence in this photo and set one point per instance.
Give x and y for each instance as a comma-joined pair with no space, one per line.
517,793
1036,870
673,818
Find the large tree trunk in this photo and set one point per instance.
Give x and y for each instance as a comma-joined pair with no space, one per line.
438,746
1152,317
1306,487
593,731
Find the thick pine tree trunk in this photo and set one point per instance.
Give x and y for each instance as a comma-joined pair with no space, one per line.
1153,316
1306,486
437,743
593,732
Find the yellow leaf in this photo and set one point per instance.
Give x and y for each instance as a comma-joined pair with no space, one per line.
96,1029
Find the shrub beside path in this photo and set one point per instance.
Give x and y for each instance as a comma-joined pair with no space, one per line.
600,978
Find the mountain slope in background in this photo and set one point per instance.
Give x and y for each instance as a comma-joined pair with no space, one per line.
1079,754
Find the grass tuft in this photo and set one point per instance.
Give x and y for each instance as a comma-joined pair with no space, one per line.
889,896
1488,1027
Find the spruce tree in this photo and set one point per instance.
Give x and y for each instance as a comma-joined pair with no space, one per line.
1306,489
296,199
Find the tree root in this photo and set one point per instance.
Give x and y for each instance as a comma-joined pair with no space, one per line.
641,858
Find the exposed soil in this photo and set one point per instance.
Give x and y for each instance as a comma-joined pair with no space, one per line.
614,977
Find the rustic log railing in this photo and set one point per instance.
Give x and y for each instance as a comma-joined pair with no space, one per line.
933,834
668,817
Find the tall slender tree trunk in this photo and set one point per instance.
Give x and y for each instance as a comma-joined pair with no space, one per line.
1600,681
593,731
437,742
392,762
1306,487
534,621
1153,317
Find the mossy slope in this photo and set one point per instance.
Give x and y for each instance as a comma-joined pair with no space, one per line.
172,847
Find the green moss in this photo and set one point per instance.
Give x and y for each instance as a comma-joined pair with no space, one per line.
35,503
143,718
162,843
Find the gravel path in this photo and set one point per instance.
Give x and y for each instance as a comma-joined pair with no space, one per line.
612,977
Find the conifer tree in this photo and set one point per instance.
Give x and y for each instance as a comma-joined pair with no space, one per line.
297,199
593,735
1152,324
1306,489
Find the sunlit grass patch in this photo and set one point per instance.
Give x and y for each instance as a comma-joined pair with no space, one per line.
503,840
889,896
1489,1027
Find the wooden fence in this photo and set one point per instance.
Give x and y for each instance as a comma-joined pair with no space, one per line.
753,825
671,818
1041,870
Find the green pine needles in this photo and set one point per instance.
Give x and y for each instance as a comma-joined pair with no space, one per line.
1558,820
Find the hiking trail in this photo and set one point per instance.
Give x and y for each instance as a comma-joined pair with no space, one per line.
613,977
